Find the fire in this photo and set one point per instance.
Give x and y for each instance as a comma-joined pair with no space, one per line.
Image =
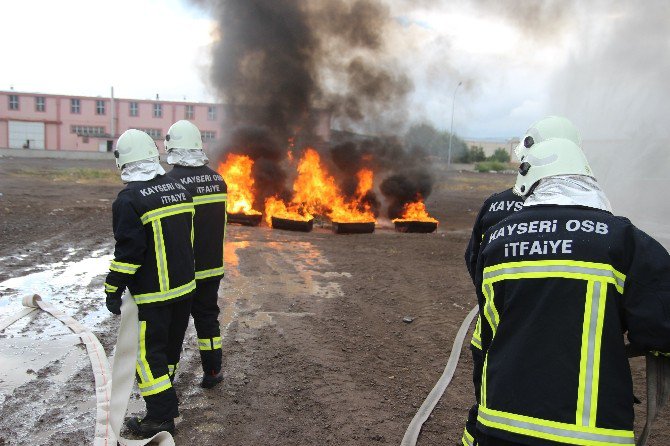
236,171
316,192
415,212
365,182
275,207
320,194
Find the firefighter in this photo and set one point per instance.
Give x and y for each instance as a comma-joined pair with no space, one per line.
183,144
495,209
558,283
153,259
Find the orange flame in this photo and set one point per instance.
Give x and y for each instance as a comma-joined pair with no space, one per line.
236,171
316,192
415,212
365,182
275,207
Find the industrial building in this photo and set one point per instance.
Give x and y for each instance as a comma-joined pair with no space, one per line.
36,121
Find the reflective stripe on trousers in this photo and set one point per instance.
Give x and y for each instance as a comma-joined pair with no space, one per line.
210,343
147,383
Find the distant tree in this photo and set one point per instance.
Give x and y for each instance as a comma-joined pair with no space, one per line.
500,155
434,142
474,155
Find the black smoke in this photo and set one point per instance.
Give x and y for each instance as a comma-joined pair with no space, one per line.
287,69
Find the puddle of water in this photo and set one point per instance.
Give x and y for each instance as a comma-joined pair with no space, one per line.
66,284
22,357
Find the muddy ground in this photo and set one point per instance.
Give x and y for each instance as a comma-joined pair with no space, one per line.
315,347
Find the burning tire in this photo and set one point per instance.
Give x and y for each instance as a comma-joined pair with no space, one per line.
421,227
245,219
292,225
354,228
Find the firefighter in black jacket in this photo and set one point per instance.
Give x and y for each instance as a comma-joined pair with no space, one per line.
559,283
183,144
153,259
495,209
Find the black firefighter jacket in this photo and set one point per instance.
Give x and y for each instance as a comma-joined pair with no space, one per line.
558,286
495,208
153,228
209,192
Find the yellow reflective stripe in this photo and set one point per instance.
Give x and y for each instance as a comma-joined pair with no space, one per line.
160,296
166,211
211,198
490,311
655,353
482,392
143,369
161,257
172,369
210,343
155,386
553,430
125,268
569,269
110,288
467,440
476,343
209,273
477,334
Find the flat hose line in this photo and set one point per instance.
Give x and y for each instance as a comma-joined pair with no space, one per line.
111,401
412,433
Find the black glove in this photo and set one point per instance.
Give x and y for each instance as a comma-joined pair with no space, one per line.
113,301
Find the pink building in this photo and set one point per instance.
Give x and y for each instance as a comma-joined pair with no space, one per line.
55,122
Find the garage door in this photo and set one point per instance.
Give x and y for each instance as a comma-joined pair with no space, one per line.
26,135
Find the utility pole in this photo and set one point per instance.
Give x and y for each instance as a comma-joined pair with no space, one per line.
451,131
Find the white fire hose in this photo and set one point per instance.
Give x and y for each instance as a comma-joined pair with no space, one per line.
112,402
434,396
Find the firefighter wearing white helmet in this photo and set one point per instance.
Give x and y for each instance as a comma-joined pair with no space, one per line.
153,259
183,144
546,128
558,282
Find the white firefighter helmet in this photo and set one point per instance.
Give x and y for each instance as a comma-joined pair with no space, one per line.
549,127
183,135
555,156
134,145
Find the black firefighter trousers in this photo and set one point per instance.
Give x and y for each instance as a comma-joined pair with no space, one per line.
162,330
205,311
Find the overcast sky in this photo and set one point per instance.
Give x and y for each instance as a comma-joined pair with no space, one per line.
508,54
149,47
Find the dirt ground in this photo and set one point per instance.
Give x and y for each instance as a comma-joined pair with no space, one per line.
315,347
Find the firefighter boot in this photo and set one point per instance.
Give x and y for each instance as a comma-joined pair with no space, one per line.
147,428
211,379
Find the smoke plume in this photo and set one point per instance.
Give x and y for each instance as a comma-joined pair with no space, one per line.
290,70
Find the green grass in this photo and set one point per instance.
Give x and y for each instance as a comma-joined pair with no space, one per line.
75,174
489,166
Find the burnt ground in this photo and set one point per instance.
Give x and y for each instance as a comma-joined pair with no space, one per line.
315,347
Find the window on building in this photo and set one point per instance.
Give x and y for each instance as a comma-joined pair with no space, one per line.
190,112
158,110
154,133
134,109
99,107
40,103
87,130
75,106
208,135
13,102
211,113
